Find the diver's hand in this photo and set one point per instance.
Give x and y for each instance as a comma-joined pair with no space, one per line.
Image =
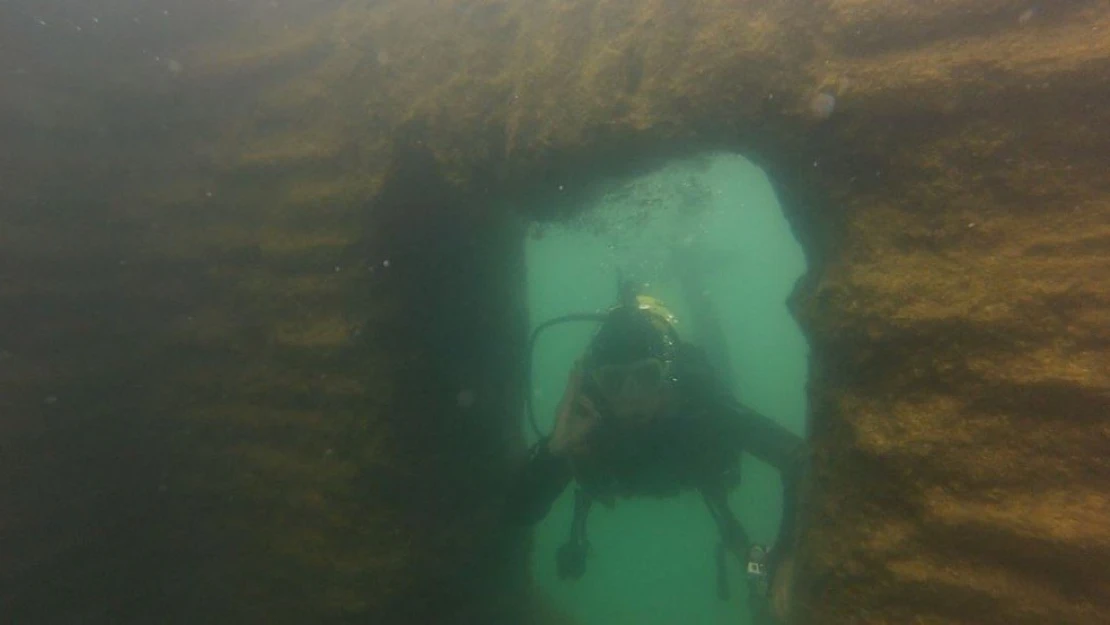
575,419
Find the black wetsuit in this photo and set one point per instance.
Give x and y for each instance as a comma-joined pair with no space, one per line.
696,445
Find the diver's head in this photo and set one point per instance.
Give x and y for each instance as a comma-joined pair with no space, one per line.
630,360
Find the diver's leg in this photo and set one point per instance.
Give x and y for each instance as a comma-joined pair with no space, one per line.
735,539
733,536
571,558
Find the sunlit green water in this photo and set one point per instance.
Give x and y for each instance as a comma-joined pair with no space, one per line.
652,560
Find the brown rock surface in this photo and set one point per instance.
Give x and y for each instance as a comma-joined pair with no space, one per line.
250,254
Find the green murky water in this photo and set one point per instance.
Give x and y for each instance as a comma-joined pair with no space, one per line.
652,560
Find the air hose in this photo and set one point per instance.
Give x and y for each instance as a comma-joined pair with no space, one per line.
595,317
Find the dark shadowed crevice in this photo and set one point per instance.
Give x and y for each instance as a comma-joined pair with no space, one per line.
447,325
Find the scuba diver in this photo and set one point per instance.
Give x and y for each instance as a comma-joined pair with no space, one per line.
644,414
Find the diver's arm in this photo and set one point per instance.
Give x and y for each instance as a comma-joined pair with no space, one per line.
541,481
749,430
772,443
548,469
762,436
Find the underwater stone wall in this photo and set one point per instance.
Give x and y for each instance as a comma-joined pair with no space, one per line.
245,292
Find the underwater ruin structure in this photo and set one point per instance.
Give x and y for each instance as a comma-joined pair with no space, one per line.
244,279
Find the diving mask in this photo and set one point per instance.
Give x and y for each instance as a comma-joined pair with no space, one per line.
639,377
